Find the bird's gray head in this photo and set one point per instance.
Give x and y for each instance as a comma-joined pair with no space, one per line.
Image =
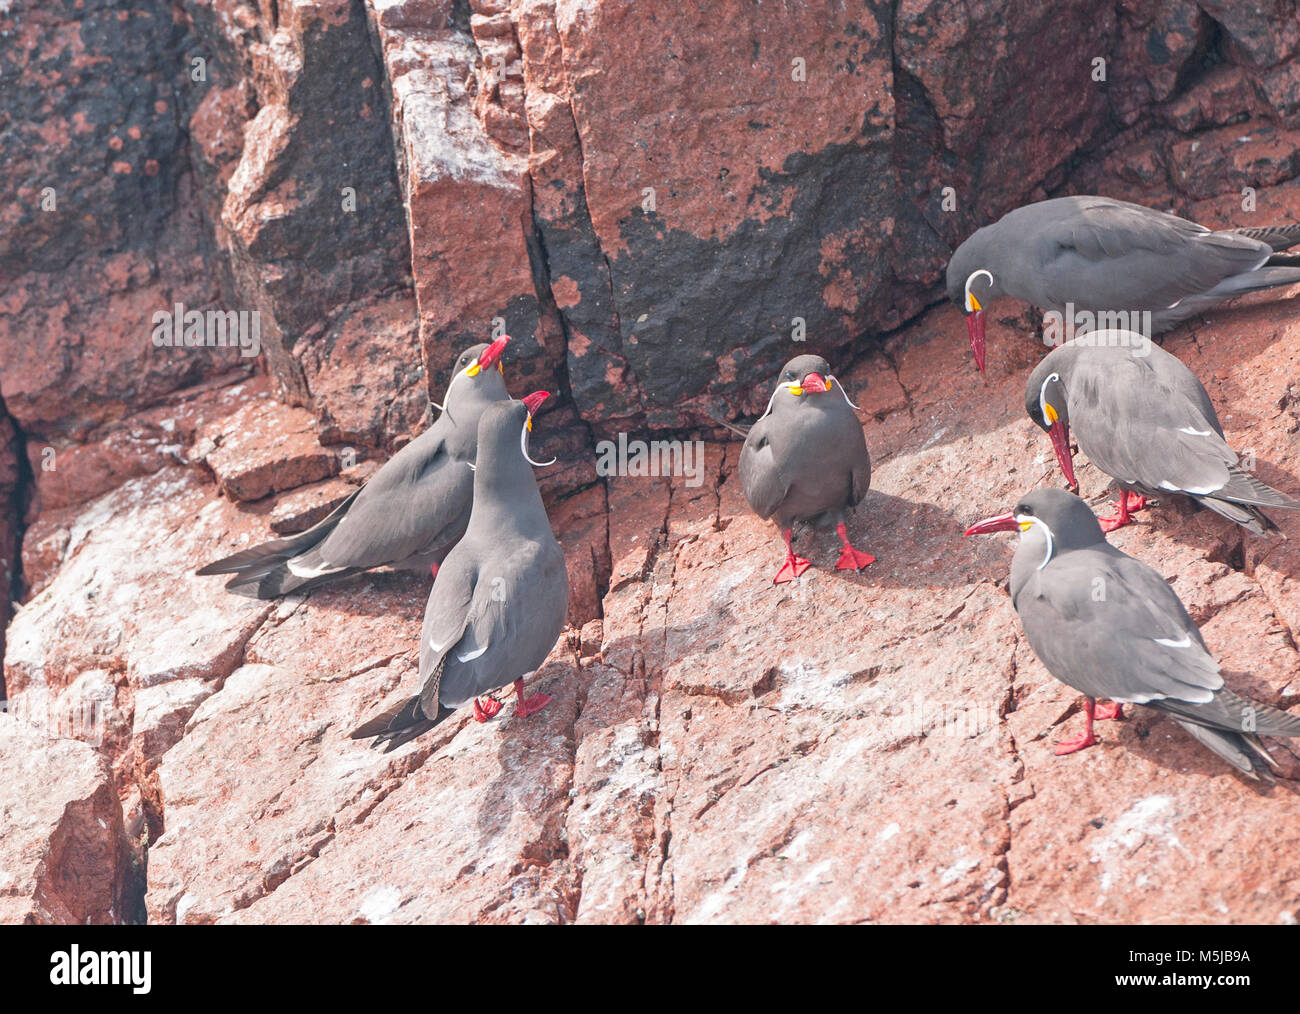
972,285
1057,520
805,375
504,429
473,373
1047,403
804,380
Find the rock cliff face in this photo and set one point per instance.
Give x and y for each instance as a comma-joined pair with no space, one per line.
655,204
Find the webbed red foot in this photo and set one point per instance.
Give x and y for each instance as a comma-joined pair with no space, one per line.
485,709
850,558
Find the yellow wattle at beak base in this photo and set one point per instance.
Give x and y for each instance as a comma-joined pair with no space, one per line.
974,303
530,424
1052,414
501,369
796,391
1026,525
473,370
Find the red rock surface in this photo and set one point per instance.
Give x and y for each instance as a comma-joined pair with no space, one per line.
64,856
869,747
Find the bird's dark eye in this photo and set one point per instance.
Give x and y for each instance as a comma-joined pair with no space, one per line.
1025,509
789,376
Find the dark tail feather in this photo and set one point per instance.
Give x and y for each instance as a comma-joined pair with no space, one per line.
1231,725
1241,498
1231,746
266,557
1268,276
400,724
270,584
1251,518
1233,713
1279,237
1244,488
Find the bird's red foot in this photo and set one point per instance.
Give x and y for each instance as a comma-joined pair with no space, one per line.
1085,739
485,709
1105,712
531,705
792,568
1125,506
794,565
850,558
1075,743
853,559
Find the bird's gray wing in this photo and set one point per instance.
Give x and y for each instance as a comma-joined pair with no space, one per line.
1173,373
1137,429
446,618
1110,626
861,479
418,501
853,444
1126,257
760,477
513,620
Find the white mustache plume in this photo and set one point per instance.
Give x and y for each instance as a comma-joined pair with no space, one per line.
836,381
523,446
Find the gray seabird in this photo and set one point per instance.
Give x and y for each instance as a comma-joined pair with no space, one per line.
410,513
1144,419
1111,627
499,601
1103,256
806,460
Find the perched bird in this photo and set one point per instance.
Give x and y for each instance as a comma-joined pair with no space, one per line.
1144,419
410,513
1101,256
806,460
499,600
1111,627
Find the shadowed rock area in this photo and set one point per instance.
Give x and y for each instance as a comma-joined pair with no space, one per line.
651,206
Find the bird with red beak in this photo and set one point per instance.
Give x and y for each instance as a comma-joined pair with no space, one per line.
501,597
972,290
1142,417
1109,626
806,460
410,513
1048,407
1078,257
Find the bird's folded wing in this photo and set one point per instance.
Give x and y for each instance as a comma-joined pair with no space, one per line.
760,477
1135,428
446,618
498,635
1136,258
1110,626
402,511
518,610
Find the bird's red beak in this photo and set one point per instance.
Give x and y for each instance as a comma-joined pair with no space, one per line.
1002,523
814,382
1060,434
975,324
534,401
493,352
